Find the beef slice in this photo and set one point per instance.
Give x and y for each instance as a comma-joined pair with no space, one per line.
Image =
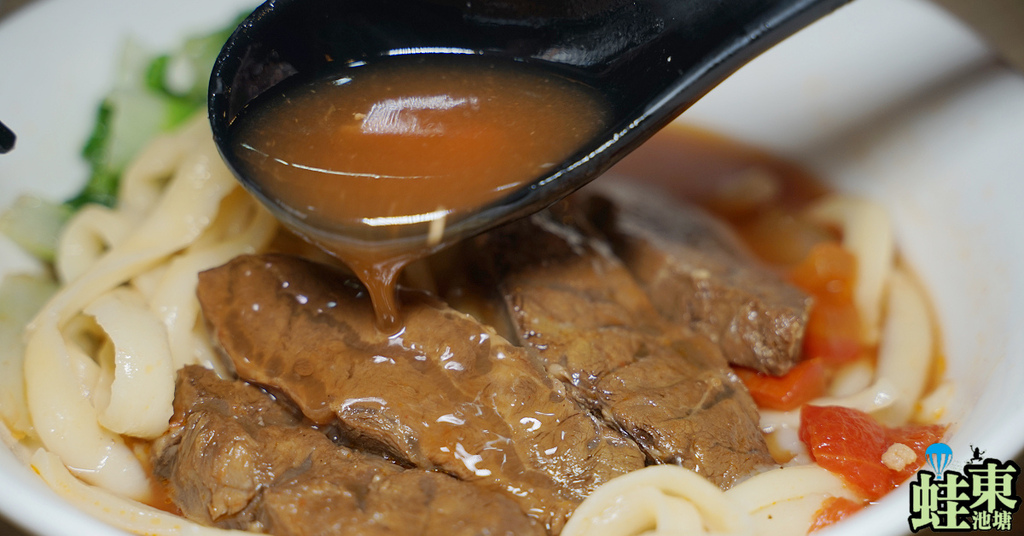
594,327
697,273
234,457
445,393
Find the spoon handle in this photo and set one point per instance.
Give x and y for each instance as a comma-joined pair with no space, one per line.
7,139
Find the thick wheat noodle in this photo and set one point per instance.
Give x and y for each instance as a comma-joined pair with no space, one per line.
141,388
144,180
174,300
667,500
113,509
787,483
660,499
87,236
95,229
60,404
784,501
905,352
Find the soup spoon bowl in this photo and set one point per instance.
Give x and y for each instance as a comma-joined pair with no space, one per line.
649,59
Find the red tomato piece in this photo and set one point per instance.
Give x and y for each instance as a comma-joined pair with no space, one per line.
833,325
833,333
850,443
803,383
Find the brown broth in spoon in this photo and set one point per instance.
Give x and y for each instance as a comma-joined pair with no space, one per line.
394,148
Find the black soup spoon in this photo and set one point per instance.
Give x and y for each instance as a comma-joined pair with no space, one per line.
649,60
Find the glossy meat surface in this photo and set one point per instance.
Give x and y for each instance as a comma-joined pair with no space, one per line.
594,327
445,393
698,274
237,458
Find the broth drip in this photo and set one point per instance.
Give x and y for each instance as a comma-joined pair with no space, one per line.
369,162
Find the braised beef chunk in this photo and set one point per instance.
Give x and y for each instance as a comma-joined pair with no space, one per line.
445,393
236,458
595,328
696,272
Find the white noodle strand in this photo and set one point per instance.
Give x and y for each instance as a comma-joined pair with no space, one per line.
68,423
660,499
174,298
668,500
60,405
144,180
142,390
905,353
90,233
119,512
787,483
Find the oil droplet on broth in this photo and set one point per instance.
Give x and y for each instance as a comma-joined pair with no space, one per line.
392,149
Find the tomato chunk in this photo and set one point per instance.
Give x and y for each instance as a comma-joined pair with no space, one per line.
828,272
833,325
834,510
833,333
850,443
803,383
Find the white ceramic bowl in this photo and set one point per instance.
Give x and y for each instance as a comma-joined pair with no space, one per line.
891,99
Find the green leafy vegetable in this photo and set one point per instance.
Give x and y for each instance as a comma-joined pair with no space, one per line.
152,94
35,224
101,187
